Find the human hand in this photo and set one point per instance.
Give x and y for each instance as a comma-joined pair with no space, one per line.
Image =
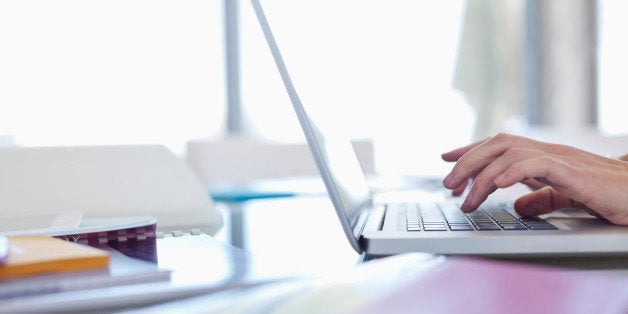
562,177
454,155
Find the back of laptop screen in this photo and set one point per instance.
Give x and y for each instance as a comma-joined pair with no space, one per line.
335,157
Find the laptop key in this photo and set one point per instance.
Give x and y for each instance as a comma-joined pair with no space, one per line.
537,223
539,226
435,228
514,227
549,227
488,227
460,227
434,224
443,218
461,223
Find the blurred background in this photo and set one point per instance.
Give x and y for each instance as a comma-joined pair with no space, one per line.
414,77
406,79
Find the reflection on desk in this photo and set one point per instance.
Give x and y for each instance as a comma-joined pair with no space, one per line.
415,282
199,263
209,276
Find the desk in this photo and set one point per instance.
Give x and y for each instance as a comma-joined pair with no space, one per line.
235,198
200,265
282,251
297,231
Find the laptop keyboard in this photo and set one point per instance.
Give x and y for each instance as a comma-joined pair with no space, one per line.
449,217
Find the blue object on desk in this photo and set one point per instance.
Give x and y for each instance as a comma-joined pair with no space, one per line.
236,194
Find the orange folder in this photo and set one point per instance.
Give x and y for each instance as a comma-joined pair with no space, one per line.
35,255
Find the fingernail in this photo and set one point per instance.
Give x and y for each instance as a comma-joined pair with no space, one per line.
448,179
470,199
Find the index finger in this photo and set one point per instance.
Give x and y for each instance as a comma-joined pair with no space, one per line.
455,154
483,154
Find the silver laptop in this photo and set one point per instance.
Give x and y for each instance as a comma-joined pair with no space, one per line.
380,229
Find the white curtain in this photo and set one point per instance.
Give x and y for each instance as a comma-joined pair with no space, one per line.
491,64
489,67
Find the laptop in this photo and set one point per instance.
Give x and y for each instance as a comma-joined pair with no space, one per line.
380,229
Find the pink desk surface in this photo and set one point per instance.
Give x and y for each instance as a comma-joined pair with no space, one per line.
467,285
421,283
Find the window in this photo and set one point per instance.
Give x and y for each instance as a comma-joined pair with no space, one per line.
380,70
111,72
613,66
140,71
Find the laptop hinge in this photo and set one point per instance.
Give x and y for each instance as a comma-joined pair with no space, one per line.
371,219
359,224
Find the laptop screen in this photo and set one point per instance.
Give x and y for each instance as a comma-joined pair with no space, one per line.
334,155
340,168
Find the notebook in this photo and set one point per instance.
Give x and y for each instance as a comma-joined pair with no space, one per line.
133,236
190,264
72,260
120,271
35,255
380,229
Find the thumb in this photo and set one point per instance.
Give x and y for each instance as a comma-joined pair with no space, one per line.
543,201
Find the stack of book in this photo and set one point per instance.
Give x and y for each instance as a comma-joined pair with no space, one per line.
96,253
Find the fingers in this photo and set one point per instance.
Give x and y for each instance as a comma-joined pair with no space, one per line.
562,176
485,153
544,201
459,190
484,185
534,184
455,154
557,173
475,198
